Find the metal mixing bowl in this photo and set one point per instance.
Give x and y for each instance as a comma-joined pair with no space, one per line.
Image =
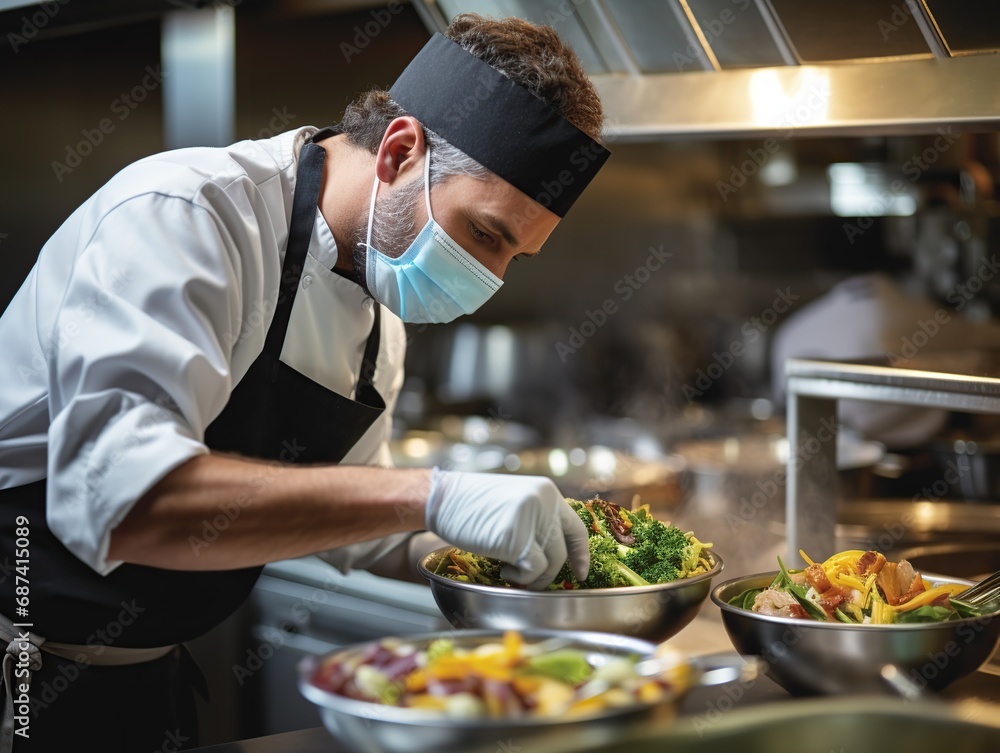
375,728
807,657
653,613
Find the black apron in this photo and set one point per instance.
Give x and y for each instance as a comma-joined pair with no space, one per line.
275,414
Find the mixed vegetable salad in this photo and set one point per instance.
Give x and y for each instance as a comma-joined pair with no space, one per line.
627,548
507,678
859,588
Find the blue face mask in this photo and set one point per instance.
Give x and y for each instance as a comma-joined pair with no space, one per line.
434,280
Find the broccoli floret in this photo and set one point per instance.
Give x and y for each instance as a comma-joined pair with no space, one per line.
661,572
659,552
564,576
581,509
639,557
606,570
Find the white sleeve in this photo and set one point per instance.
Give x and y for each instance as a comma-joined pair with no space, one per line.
142,364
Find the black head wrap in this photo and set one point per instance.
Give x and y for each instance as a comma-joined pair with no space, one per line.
498,123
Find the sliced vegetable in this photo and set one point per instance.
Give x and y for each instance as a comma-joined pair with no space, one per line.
858,587
498,679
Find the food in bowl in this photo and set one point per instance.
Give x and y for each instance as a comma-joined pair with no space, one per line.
858,588
627,548
827,657
500,677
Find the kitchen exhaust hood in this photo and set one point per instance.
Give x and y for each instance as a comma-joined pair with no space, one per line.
774,68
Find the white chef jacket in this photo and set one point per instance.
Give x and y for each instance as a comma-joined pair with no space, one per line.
143,312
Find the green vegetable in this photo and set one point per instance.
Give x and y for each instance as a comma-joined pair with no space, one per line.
799,592
745,599
660,553
438,648
926,613
606,570
568,666
472,568
843,617
580,509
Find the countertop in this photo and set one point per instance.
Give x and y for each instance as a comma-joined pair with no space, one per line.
978,697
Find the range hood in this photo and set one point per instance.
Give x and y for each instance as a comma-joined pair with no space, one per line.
774,68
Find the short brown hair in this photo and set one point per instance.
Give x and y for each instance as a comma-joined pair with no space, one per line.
531,56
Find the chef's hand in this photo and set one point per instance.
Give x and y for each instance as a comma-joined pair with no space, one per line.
522,520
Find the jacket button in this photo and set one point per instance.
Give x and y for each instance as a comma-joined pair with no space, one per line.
306,281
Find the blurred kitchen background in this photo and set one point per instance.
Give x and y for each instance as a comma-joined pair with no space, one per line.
788,178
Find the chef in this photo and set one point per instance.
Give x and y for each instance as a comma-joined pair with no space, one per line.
199,372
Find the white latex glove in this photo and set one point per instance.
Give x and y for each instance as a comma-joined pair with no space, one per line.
522,520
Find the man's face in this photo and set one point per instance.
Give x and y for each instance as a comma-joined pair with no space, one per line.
489,218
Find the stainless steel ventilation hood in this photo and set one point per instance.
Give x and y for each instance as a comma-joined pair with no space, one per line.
782,68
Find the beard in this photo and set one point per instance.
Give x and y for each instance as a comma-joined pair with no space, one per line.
393,228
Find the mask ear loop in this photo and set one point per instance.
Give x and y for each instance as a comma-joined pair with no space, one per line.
371,215
427,196
427,180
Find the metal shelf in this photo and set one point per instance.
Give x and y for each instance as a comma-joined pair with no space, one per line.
814,387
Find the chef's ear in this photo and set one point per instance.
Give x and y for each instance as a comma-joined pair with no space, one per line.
401,150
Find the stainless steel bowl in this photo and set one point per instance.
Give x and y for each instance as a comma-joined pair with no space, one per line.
652,613
808,658
375,728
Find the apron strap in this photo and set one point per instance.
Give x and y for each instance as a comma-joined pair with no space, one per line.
305,204
308,181
18,651
366,392
24,650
